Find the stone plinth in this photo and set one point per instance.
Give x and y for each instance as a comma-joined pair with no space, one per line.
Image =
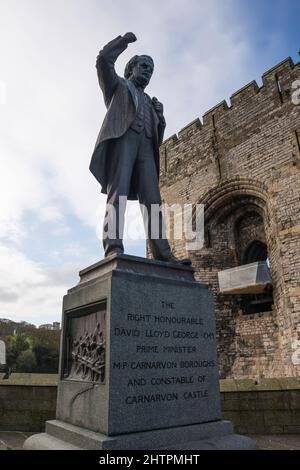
138,365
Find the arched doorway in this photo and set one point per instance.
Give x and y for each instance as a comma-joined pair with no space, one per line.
238,234
256,251
257,303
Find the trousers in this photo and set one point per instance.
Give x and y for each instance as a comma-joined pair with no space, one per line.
132,161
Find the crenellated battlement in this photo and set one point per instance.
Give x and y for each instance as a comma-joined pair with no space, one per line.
190,128
276,81
241,163
217,110
245,92
284,67
169,141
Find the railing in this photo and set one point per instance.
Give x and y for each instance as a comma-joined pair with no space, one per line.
251,278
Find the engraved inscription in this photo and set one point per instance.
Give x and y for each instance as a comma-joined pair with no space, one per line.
171,336
163,367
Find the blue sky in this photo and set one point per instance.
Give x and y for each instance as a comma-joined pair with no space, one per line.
51,110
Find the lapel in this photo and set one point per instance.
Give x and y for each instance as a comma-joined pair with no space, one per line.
133,92
135,98
155,118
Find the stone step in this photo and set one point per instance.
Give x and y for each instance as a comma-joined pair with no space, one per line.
76,435
45,441
178,437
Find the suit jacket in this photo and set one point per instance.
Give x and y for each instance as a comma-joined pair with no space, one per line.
121,100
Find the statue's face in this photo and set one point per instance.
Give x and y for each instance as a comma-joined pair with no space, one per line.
142,71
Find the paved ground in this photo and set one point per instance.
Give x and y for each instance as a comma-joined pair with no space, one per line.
14,440
278,442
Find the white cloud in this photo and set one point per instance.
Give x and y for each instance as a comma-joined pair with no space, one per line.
29,291
53,108
2,93
51,213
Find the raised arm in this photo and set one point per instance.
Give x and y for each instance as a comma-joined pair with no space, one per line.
105,64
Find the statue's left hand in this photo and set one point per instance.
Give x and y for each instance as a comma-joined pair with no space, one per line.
158,106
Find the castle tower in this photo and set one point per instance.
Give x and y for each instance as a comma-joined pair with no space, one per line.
243,164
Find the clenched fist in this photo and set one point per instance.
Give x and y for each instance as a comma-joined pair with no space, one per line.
130,37
158,106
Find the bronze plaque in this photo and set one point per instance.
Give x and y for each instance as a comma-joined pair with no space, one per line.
84,344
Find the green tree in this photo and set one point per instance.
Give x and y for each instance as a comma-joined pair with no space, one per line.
46,350
17,343
41,347
26,361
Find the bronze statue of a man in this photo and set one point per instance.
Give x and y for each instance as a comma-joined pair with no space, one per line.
126,156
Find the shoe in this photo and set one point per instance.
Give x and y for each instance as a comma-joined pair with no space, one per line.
114,253
172,259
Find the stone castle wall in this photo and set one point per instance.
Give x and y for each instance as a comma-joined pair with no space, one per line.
271,406
243,163
27,401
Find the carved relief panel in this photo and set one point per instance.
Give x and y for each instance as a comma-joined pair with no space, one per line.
84,344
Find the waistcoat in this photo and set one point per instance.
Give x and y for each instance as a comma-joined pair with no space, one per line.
143,119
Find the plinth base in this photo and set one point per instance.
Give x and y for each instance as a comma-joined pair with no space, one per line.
216,435
138,363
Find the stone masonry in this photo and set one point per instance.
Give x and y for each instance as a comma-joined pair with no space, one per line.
243,163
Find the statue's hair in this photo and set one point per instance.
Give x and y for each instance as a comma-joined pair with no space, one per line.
133,61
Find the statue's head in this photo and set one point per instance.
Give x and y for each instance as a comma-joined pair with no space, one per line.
140,69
